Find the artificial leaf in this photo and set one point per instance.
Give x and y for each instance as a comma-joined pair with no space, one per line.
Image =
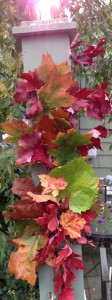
52,185
82,185
73,223
14,130
21,263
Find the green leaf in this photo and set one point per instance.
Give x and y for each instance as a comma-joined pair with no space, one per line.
82,185
68,143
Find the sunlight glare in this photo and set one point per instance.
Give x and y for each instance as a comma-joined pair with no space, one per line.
43,8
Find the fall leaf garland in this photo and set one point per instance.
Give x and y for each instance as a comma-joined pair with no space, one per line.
59,211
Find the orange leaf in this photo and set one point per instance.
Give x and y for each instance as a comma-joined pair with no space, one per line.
42,198
46,67
21,262
73,223
14,130
52,185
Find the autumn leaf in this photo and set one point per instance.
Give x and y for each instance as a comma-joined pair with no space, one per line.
42,198
82,184
48,66
21,262
23,209
33,150
52,185
54,93
73,223
66,293
49,130
63,254
14,130
67,144
22,185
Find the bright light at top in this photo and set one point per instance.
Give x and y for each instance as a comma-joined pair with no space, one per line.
47,9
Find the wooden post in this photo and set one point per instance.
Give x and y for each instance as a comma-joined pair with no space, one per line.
38,38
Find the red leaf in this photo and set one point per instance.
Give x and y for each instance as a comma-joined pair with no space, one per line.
22,185
23,209
33,79
53,224
67,294
63,254
33,150
58,283
104,133
34,109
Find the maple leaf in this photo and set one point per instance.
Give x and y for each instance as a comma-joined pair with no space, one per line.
82,185
54,93
26,89
21,263
104,133
85,57
48,66
52,185
67,144
99,102
33,78
33,150
49,129
14,130
34,109
73,223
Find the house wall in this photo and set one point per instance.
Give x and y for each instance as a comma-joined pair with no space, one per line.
102,164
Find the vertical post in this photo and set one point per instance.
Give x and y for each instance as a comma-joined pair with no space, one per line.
38,38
